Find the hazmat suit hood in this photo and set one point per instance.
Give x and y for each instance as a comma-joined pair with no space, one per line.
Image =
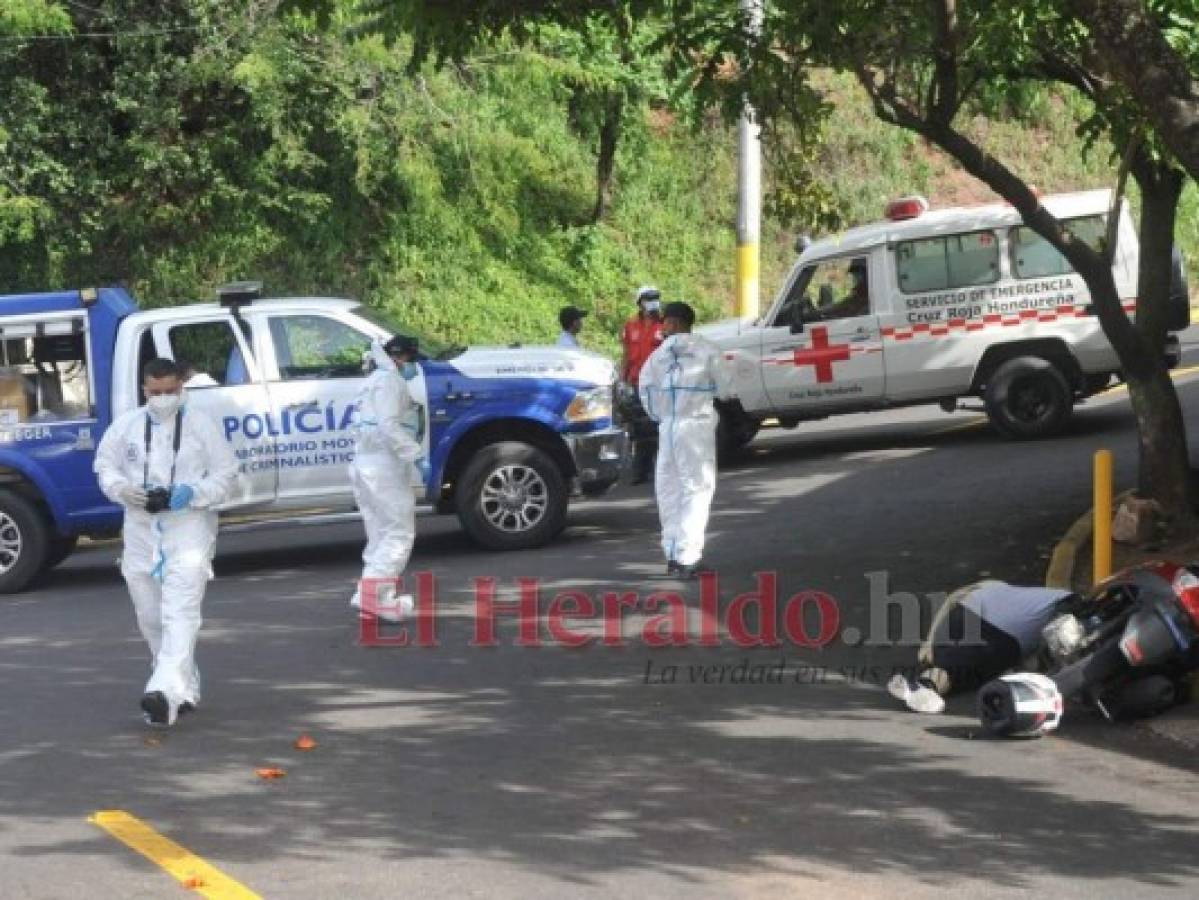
381,358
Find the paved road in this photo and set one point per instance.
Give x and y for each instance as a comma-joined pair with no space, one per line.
512,771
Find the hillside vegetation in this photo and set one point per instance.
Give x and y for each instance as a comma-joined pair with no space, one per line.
460,197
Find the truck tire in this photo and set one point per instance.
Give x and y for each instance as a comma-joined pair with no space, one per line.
1028,397
735,429
512,496
24,542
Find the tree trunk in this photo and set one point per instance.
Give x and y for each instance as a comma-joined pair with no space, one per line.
1165,471
609,138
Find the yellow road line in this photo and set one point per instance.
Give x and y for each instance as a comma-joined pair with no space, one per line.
974,423
183,865
1174,373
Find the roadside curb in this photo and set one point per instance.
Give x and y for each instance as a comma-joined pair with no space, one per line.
1060,573
1061,565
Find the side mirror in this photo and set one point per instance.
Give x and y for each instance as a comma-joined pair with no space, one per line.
802,243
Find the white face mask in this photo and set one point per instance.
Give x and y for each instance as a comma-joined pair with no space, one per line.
165,405
652,306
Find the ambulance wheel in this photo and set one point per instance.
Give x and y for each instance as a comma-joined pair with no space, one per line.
735,429
512,496
24,542
1028,397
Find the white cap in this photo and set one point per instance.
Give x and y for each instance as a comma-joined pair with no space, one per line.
647,292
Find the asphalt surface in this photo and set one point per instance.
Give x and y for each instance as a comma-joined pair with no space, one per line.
516,771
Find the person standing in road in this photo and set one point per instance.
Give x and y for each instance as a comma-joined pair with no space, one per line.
639,338
571,320
387,446
170,467
679,383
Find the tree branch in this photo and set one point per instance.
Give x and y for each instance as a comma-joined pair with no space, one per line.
1134,49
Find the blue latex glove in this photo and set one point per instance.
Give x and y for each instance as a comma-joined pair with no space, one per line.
426,471
181,496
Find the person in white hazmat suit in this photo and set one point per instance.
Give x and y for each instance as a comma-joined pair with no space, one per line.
678,385
388,428
169,466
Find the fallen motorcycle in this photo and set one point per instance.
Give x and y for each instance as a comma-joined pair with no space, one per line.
1125,647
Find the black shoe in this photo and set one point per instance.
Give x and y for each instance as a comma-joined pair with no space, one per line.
673,568
186,707
157,708
693,571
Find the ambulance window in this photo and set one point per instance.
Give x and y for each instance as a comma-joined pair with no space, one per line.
317,347
44,373
791,311
209,353
1035,257
941,263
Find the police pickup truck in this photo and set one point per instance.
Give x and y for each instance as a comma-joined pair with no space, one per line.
509,433
932,306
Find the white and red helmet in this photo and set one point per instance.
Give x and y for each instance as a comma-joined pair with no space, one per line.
1023,704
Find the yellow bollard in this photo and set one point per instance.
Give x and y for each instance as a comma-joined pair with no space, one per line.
1102,516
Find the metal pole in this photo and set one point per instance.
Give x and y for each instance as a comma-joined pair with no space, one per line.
1101,552
749,189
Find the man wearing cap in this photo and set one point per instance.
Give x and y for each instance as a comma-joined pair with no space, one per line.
679,383
387,446
571,320
640,337
857,301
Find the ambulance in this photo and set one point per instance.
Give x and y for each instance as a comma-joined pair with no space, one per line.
510,433
932,306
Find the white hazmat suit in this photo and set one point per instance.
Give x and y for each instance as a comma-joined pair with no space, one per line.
387,430
678,385
167,557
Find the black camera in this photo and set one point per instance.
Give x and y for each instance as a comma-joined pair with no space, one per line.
158,499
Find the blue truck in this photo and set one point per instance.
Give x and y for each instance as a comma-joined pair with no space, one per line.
510,434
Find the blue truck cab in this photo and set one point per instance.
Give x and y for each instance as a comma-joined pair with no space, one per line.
510,434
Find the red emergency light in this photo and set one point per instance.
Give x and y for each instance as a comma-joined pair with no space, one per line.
906,208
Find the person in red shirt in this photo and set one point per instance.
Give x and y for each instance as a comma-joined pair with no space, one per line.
640,337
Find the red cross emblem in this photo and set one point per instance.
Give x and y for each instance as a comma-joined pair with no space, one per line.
821,355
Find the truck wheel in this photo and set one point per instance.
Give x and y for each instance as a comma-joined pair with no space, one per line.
735,429
24,542
60,549
1028,397
512,496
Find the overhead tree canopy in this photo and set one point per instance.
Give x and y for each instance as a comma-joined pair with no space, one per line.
1154,52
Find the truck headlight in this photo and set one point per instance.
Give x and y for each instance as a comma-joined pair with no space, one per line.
589,406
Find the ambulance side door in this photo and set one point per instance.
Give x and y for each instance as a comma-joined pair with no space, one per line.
823,346
228,386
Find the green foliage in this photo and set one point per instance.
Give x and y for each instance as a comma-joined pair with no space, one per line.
211,142
22,18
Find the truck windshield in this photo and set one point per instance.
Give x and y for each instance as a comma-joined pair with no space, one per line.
429,347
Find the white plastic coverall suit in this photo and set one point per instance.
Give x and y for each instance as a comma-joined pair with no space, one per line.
167,557
678,384
386,430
